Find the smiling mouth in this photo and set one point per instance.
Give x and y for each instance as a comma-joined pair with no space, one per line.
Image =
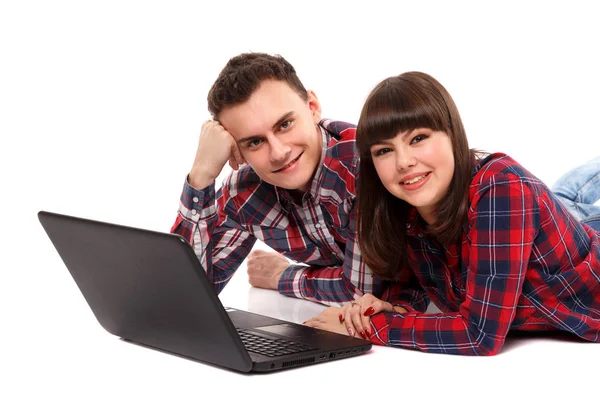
415,180
289,164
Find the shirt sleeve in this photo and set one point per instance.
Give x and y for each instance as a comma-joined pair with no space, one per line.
406,292
334,285
503,222
219,241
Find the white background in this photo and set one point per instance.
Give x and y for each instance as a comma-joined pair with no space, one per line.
100,109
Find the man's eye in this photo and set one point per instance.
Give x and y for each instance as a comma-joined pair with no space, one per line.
286,124
254,143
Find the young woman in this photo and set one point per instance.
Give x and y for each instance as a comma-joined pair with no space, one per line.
478,234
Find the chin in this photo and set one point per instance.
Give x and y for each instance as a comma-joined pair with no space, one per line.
291,186
291,183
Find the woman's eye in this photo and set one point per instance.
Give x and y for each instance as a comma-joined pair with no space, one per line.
418,138
286,124
381,152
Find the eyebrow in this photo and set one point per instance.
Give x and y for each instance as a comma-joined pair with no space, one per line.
282,119
275,125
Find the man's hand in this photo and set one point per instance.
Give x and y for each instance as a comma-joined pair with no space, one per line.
216,146
329,320
265,268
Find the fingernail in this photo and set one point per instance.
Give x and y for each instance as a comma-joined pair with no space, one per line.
341,318
350,332
362,335
369,311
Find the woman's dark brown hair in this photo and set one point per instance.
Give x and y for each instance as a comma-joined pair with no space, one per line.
400,104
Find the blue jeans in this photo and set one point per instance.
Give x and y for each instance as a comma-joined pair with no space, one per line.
579,190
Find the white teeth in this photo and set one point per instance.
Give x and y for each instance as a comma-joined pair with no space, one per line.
285,166
291,162
415,180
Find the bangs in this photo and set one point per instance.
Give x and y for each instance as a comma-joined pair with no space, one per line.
396,106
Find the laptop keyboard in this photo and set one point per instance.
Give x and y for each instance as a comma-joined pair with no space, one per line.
271,347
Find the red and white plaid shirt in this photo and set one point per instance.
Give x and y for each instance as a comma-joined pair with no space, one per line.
524,263
320,232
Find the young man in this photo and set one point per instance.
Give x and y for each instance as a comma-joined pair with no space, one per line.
292,186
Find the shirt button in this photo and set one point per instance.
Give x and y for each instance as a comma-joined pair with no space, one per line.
195,199
317,226
194,212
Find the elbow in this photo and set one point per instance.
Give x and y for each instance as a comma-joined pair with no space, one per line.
486,351
487,346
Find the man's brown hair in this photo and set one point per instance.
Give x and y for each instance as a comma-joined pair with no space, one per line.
244,73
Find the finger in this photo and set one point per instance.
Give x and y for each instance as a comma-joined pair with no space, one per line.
237,155
258,253
314,322
348,323
343,310
257,282
233,164
377,307
343,313
356,316
255,268
367,298
366,323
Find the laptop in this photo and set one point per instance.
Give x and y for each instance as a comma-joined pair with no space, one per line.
149,288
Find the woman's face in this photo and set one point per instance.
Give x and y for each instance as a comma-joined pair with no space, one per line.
417,167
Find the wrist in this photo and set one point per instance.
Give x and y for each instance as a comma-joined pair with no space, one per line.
400,309
199,178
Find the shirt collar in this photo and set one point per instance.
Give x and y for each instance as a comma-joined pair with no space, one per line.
413,223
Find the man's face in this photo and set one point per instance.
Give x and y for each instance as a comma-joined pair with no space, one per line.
276,131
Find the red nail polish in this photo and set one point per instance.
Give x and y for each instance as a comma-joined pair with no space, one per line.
369,311
341,318
362,335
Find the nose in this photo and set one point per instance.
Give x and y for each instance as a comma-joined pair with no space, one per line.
405,160
279,151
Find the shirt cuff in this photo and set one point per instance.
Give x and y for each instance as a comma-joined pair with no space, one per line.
291,280
193,202
379,329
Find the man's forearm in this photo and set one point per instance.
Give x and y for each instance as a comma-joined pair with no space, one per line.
326,285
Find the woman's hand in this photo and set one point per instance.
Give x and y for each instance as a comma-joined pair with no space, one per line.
353,319
356,316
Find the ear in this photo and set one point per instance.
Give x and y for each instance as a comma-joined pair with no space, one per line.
314,105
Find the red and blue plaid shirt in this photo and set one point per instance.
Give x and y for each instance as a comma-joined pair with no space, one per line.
524,263
320,232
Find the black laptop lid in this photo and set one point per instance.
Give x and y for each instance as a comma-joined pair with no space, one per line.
147,287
